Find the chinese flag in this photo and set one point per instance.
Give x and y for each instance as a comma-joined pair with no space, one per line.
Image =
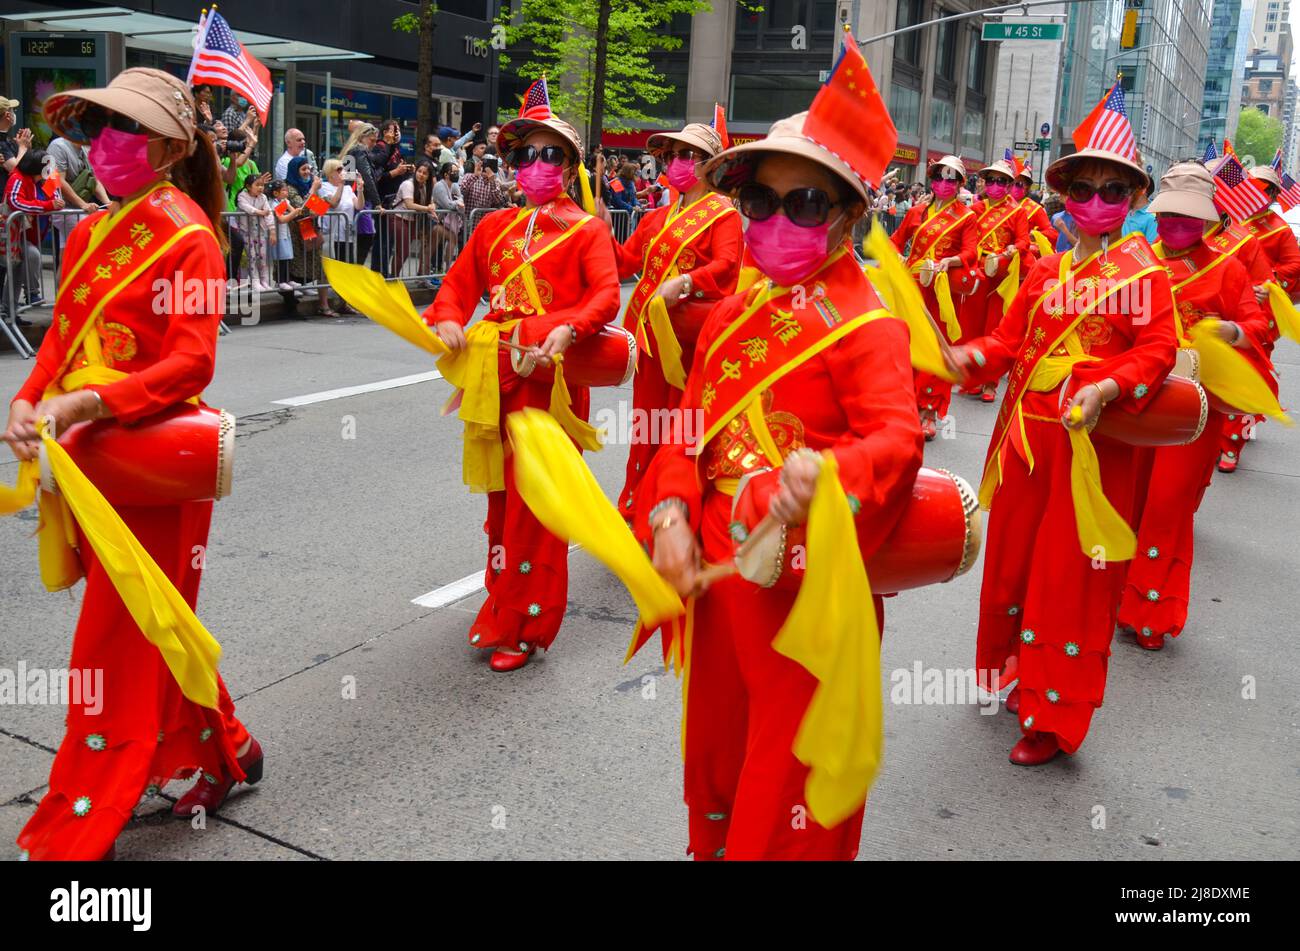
307,229
282,208
316,205
849,117
51,184
720,125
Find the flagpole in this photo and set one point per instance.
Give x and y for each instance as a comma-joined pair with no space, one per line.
204,25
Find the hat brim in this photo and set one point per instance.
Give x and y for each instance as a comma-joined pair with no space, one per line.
1265,173
946,162
513,132
63,112
662,140
782,145
1192,204
1000,168
1056,173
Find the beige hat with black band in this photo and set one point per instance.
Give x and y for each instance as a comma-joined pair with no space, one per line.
1266,173
1058,173
1187,188
696,135
732,167
512,133
949,161
1000,167
157,100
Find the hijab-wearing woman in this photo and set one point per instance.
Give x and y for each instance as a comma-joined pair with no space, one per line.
112,355
805,361
1090,330
688,255
305,266
1208,282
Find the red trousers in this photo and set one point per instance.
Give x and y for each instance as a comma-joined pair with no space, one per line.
744,703
1043,600
932,392
527,575
1159,583
142,732
1238,430
650,392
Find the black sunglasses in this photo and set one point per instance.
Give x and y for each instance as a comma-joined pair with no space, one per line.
806,207
994,180
94,119
686,155
526,155
1112,193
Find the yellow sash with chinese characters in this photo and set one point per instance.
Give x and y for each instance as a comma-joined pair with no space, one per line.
1051,324
1225,241
122,245
988,233
534,233
681,228
772,336
925,247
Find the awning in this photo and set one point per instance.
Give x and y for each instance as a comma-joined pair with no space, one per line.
162,34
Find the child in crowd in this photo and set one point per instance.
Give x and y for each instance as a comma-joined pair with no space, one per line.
282,243
256,225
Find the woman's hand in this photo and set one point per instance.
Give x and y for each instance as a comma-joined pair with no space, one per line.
556,342
943,264
960,361
68,409
20,432
452,334
1229,332
798,480
671,290
1261,293
676,552
1090,400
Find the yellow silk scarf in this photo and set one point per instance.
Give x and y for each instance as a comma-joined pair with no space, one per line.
900,295
1011,283
1284,312
670,349
1229,376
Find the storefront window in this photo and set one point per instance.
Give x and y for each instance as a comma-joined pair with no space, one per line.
972,129
941,120
905,108
768,98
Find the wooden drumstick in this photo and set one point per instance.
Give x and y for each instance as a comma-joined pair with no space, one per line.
725,569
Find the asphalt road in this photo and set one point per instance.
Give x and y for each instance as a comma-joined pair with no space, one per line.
316,558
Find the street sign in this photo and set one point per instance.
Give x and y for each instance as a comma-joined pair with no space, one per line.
1044,145
1026,146
1000,32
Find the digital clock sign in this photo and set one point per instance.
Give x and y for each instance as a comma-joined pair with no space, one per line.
63,47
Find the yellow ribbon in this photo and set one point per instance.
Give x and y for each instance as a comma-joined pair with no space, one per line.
831,631
162,614
1045,248
473,371
1229,375
388,304
899,292
1101,529
560,490
1284,312
947,310
1010,285
586,435
670,349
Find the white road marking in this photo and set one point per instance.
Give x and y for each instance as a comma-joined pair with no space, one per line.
362,388
449,593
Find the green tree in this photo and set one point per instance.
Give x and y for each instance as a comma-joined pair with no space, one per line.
595,55
422,24
1258,135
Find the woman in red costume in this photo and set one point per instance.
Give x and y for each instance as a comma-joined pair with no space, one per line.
1090,327
688,254
943,246
549,268
1002,236
111,353
806,358
1207,282
1277,242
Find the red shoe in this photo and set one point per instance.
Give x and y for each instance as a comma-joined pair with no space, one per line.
1012,703
504,661
1151,642
1227,462
1035,749
210,792
989,394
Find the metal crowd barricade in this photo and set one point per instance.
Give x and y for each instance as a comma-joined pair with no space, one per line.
26,263
623,222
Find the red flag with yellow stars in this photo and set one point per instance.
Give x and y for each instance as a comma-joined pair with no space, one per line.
848,116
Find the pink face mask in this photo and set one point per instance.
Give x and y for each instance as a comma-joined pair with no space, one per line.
1179,234
943,189
785,251
1018,190
1094,216
996,192
120,161
541,182
681,174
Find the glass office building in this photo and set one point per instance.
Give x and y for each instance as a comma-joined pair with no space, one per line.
1229,43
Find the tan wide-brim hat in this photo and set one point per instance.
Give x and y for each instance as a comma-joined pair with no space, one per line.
157,100
7,103
1266,173
1186,189
695,135
512,134
1059,173
726,171
952,162
1000,167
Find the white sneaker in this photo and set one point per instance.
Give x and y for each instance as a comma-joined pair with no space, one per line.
285,286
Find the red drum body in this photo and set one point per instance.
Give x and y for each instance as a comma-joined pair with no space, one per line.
1175,416
605,359
183,454
937,538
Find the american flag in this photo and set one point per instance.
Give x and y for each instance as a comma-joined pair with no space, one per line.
1277,161
220,59
1211,153
1107,127
537,102
1289,196
1235,192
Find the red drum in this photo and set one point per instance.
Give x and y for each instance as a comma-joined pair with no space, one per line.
1175,416
183,454
937,538
606,358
